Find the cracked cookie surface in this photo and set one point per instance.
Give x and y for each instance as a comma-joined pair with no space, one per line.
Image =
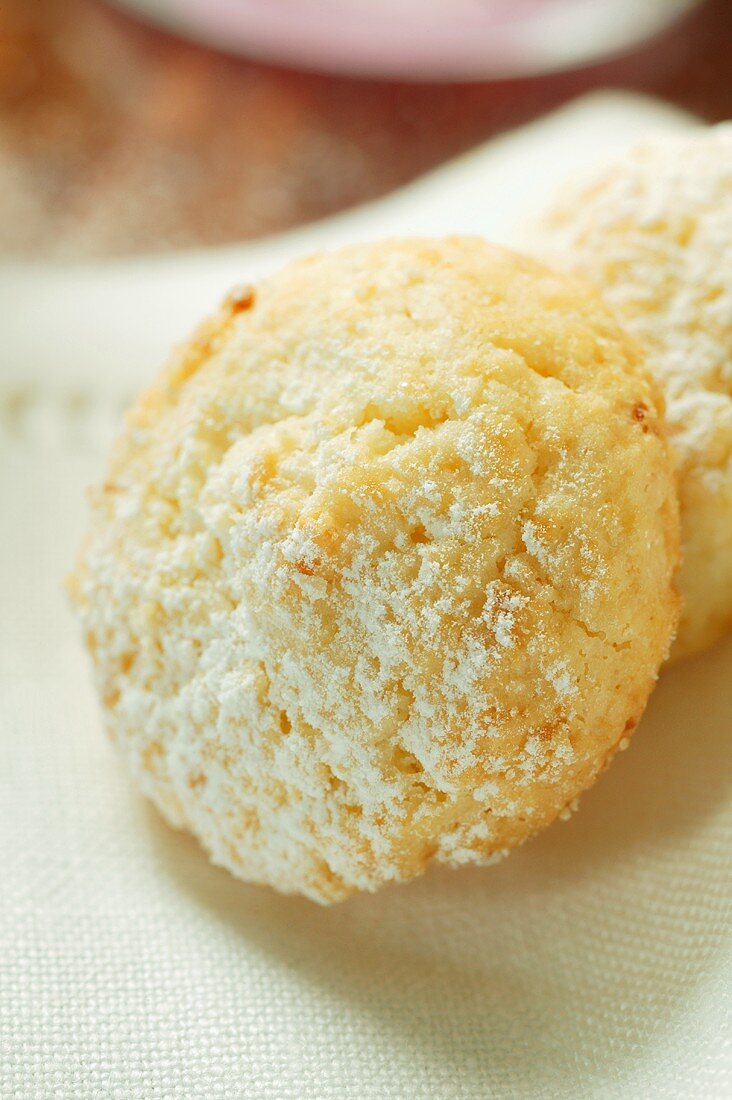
381,573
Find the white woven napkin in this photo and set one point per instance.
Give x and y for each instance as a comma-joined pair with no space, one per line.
595,962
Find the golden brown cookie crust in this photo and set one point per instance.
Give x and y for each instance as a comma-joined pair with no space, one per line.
382,570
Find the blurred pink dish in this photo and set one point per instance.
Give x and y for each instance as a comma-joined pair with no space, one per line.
418,39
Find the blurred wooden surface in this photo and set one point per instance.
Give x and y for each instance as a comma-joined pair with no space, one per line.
117,139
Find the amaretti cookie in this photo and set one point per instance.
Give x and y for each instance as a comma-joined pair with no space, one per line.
654,233
381,571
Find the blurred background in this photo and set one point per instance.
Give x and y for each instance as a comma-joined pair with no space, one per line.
151,125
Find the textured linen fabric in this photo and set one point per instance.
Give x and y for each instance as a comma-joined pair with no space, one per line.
595,962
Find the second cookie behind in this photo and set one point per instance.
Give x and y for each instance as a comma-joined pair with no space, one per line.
653,232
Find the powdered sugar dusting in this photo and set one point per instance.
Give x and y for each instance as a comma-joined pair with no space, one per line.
331,583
